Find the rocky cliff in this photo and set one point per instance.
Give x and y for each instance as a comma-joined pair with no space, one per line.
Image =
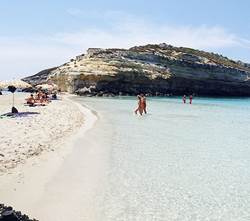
153,69
39,78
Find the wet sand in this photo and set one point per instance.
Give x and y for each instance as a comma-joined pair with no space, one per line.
62,175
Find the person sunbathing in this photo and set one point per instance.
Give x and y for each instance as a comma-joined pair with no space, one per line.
30,100
43,99
40,98
40,94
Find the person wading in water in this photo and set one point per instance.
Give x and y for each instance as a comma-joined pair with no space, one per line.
184,98
190,99
141,104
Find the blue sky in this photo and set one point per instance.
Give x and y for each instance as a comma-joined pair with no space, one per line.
37,34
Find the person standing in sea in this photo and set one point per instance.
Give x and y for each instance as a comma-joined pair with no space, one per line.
184,98
141,104
191,99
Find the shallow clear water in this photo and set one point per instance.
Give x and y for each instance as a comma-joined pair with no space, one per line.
178,162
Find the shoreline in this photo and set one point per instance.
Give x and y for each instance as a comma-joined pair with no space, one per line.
26,187
35,129
110,95
101,176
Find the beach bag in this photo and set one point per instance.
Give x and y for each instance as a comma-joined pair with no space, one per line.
14,110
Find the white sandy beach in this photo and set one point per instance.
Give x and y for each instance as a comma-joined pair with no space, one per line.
40,129
40,169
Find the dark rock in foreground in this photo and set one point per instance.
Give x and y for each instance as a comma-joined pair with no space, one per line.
152,69
8,214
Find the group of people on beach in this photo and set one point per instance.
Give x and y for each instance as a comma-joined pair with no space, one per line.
41,98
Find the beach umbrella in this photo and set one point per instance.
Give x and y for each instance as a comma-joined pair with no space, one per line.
12,89
18,84
2,85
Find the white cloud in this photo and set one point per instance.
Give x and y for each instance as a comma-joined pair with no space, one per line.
245,43
74,11
22,56
135,34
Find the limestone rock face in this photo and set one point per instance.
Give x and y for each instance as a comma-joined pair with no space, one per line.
153,69
39,78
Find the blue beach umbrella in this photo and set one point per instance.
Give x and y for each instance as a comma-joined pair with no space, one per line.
12,89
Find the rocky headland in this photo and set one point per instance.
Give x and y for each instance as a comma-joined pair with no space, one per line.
8,214
152,69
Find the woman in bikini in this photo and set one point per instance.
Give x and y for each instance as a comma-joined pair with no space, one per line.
141,104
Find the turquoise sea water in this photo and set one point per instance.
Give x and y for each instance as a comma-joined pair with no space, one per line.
178,162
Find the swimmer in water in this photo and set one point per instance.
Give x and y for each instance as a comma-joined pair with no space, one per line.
184,98
141,104
190,99
144,105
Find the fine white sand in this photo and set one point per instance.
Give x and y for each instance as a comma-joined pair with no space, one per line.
38,129
50,185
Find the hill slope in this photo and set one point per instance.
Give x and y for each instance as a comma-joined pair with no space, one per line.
153,69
